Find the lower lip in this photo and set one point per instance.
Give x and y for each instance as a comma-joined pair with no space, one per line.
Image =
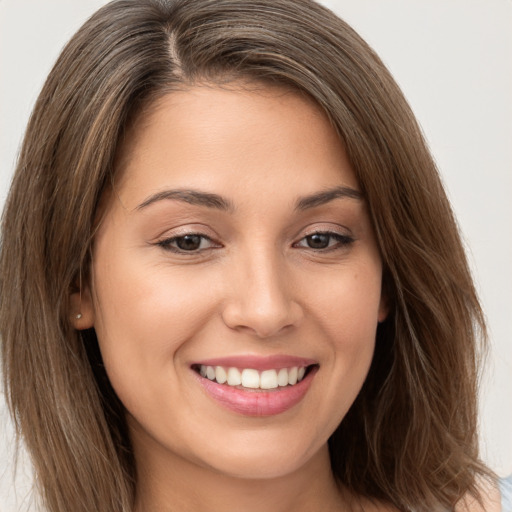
257,402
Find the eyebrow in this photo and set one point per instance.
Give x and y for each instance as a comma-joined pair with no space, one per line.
320,198
218,202
191,197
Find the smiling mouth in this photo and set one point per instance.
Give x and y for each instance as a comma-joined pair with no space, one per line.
250,379
256,386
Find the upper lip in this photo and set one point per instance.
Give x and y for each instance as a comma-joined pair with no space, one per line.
256,362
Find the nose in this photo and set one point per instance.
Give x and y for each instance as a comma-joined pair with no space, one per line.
261,298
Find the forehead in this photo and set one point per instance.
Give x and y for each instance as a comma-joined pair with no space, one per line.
208,137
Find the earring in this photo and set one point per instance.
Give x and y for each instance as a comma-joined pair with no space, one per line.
79,315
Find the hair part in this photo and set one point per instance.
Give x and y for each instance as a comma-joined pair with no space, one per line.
410,437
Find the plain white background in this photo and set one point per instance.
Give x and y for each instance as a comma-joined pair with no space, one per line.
452,58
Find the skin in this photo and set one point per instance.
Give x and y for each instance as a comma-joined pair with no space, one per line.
256,288
253,286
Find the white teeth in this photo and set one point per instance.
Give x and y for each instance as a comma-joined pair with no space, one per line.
250,378
282,377
268,379
220,375
210,372
234,377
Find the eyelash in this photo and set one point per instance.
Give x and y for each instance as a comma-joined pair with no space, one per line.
342,241
166,244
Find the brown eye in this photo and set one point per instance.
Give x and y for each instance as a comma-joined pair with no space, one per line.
318,240
188,242
324,241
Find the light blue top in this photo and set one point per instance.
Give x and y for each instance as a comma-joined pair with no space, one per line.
506,494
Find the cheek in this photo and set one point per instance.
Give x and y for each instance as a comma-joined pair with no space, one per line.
137,296
348,304
347,315
144,313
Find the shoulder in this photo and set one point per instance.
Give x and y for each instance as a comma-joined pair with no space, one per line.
506,494
491,499
494,497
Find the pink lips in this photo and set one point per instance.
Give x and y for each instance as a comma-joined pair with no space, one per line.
257,362
257,402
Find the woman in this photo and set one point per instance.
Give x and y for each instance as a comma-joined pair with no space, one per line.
231,278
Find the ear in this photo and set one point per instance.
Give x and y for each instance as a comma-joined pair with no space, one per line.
383,304
81,308
386,300
383,309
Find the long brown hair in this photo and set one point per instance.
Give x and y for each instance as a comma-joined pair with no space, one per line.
410,437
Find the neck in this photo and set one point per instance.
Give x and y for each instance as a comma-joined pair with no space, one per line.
167,482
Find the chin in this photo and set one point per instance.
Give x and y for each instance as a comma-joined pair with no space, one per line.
266,460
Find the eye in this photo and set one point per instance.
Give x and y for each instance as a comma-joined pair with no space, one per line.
191,242
324,240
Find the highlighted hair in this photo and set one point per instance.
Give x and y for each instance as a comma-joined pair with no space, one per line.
410,437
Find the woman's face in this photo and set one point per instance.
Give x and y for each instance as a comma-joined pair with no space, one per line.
235,245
